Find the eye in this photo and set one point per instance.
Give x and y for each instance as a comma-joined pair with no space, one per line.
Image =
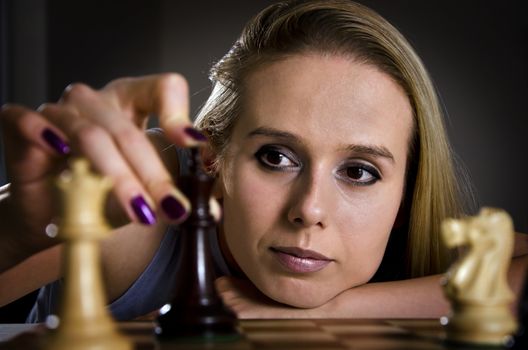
276,158
359,174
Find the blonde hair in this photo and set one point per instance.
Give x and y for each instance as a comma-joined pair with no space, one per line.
344,27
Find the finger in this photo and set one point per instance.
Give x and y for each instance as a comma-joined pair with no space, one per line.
122,157
130,141
231,286
142,157
33,128
33,147
226,291
215,209
230,295
222,284
93,142
167,95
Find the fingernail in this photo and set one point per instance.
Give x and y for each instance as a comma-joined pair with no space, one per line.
195,134
55,141
173,208
142,210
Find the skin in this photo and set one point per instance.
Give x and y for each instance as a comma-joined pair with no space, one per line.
85,116
304,192
106,127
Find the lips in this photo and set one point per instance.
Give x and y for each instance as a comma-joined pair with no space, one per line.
299,260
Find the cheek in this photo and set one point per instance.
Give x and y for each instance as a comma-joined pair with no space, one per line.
251,207
359,227
365,224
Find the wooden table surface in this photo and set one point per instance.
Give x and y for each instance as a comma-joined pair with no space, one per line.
372,334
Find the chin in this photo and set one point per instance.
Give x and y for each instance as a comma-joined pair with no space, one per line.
302,304
297,293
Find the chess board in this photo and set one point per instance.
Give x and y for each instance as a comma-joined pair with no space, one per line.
405,334
343,334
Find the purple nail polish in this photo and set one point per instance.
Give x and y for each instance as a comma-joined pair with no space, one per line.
173,208
195,134
143,211
55,141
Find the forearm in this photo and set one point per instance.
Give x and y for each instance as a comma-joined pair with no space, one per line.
11,252
18,240
413,298
32,273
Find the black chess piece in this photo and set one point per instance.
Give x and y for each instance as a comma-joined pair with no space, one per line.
196,311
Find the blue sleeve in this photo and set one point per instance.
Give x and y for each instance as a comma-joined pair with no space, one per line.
149,292
154,286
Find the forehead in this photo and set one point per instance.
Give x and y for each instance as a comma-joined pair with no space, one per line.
313,94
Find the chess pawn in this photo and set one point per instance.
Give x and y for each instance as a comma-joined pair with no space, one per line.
196,312
476,285
83,321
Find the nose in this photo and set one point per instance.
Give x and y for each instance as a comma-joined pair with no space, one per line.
310,202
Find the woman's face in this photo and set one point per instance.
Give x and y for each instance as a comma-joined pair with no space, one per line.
313,177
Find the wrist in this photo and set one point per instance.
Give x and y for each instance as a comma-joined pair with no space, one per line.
14,248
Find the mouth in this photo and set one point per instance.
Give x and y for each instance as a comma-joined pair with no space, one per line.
299,260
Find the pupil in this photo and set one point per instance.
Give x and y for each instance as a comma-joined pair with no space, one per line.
274,157
355,173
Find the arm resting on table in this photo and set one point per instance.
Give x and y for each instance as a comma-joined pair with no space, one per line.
414,298
421,297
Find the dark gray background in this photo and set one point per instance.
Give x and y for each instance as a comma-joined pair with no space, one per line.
476,52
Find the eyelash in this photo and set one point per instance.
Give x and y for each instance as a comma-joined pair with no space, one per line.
269,149
296,164
373,172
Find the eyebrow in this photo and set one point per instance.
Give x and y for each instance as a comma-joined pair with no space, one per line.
372,150
376,151
271,132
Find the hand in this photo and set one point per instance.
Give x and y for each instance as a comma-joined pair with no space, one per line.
105,126
246,301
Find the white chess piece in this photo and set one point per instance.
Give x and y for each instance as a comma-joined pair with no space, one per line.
476,285
83,322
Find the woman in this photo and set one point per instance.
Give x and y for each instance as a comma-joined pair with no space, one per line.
333,169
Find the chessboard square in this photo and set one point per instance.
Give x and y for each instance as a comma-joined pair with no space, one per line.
416,323
134,328
181,345
351,329
291,337
291,330
350,321
282,324
423,328
298,345
391,344
142,344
